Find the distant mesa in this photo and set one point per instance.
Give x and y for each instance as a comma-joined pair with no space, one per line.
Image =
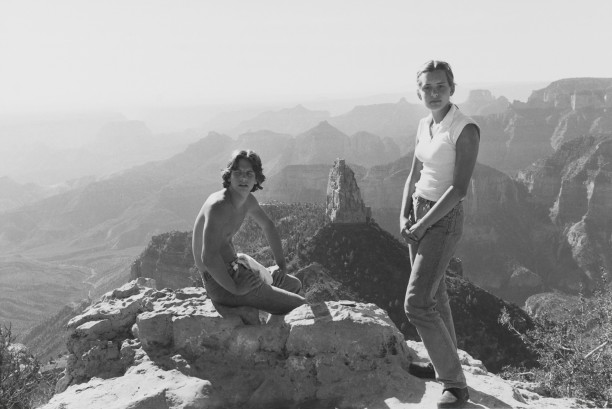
344,203
574,94
482,102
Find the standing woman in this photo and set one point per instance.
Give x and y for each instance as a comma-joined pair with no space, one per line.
431,220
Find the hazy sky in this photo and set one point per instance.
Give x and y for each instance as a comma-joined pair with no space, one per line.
84,53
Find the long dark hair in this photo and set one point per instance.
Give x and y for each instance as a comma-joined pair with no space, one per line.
252,157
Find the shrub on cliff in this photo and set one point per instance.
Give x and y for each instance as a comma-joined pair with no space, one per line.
295,222
575,352
22,386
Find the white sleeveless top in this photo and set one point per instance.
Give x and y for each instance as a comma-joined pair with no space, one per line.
437,152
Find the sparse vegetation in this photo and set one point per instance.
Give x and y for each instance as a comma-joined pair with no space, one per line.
22,383
295,222
574,352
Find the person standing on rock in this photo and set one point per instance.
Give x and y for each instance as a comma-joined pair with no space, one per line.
431,222
233,279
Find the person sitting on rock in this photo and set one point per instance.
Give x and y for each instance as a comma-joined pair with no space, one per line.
233,279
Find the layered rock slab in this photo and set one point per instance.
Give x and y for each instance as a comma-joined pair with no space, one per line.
172,350
343,352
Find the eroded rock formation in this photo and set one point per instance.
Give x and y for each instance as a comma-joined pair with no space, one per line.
344,202
574,185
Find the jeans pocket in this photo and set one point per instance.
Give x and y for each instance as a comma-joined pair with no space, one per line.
454,219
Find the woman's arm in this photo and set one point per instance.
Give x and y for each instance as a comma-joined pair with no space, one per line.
465,160
413,177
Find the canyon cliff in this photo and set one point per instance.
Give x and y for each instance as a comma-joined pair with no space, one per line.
526,132
574,186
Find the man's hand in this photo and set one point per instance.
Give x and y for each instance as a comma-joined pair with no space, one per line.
278,276
246,280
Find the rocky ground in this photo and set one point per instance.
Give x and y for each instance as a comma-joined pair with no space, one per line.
139,347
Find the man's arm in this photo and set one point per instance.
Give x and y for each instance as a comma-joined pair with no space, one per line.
269,229
196,240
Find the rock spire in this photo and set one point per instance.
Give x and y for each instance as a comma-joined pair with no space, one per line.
344,202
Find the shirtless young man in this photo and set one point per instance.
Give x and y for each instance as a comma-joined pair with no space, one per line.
228,282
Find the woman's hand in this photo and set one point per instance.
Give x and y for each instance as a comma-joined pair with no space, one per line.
413,234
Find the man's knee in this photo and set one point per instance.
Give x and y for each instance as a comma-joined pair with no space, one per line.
292,284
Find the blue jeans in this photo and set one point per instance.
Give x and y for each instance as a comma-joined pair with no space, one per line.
275,300
426,305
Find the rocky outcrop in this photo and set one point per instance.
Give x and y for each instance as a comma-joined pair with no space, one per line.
140,347
344,202
218,360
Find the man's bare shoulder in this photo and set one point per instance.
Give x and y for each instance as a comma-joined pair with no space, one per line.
218,202
216,205
251,201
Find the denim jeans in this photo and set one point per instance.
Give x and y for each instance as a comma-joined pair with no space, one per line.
275,300
426,305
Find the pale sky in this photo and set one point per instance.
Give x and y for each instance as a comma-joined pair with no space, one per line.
91,54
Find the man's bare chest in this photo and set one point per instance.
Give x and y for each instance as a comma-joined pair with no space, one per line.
233,225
